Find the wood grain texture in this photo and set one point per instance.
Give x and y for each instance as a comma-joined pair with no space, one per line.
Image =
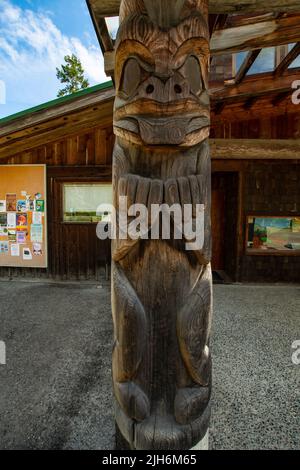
288,59
271,32
162,293
255,149
75,253
246,65
111,7
247,37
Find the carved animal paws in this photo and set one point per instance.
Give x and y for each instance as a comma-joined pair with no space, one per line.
133,400
190,403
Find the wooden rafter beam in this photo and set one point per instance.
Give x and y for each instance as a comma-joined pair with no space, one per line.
256,86
280,98
252,6
243,20
250,102
273,32
217,22
111,7
255,149
288,60
246,65
107,41
101,29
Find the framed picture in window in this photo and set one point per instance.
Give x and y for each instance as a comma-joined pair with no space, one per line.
82,202
273,235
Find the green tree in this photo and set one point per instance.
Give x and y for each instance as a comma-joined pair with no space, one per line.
71,73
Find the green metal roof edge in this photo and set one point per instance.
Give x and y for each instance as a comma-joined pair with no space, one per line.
58,101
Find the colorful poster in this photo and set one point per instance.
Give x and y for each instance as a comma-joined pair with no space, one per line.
11,202
11,220
37,218
15,250
22,220
21,237
21,205
36,233
3,220
37,249
3,231
12,236
27,256
40,205
4,246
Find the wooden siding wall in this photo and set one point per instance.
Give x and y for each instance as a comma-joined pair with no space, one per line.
74,250
268,188
265,187
283,126
87,149
262,187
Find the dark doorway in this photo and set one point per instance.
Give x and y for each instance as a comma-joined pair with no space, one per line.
224,224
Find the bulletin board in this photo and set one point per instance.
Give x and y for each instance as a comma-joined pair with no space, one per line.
23,216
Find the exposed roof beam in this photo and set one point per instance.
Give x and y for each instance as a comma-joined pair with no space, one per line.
242,20
250,102
111,7
280,98
101,29
256,86
246,65
269,33
44,118
217,22
288,60
258,149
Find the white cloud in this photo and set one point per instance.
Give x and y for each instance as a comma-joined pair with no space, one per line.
31,47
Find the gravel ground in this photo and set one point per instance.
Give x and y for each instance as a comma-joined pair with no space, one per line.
256,386
55,391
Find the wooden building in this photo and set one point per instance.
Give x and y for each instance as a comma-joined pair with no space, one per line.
255,146
73,136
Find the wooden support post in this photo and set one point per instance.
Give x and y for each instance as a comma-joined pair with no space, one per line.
162,288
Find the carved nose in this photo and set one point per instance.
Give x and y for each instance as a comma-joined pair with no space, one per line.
164,79
165,89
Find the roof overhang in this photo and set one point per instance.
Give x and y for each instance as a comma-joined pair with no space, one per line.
57,119
102,8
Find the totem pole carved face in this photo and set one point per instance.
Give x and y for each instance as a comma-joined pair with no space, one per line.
162,76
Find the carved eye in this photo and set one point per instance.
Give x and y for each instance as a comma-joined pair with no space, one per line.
193,74
131,77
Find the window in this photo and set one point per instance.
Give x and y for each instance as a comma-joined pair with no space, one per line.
273,234
81,200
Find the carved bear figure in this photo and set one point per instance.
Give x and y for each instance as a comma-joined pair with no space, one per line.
161,292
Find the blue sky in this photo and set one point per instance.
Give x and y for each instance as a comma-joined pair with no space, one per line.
35,35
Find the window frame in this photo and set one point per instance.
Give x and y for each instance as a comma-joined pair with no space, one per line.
79,181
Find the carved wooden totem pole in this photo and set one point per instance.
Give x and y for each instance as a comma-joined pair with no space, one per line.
162,292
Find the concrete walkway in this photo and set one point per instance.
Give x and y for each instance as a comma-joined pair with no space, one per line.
55,391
